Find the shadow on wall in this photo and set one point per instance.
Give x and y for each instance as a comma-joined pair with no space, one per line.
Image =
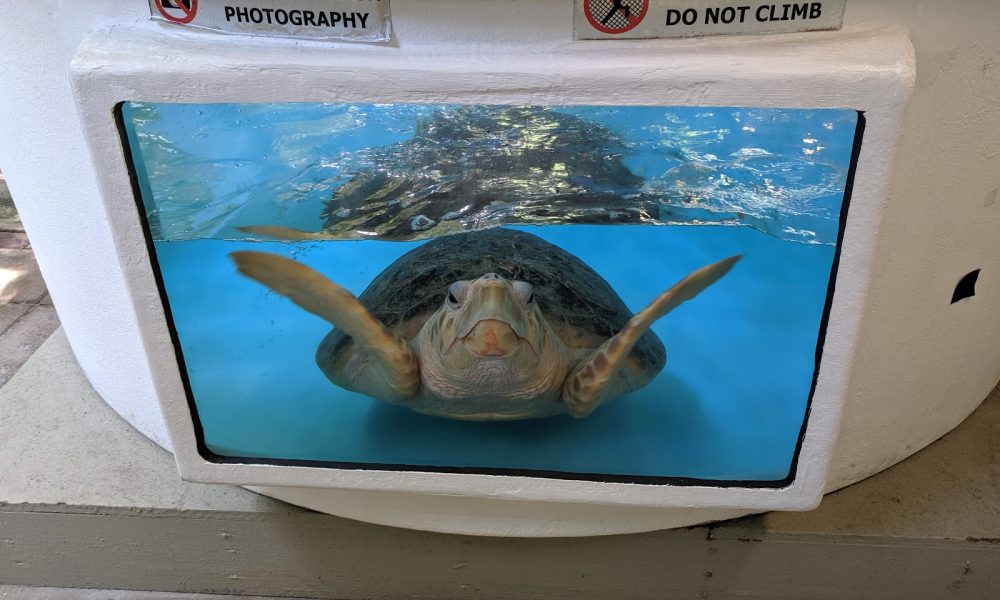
12,243
9,221
27,317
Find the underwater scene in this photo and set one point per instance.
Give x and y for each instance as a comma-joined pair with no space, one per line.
593,292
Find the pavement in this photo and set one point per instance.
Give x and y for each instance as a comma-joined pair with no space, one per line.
27,317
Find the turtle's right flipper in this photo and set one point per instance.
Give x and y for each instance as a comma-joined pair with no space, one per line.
594,380
392,373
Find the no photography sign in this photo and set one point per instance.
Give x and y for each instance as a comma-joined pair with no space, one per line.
177,11
343,20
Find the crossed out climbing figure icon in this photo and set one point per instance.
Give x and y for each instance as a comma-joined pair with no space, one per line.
618,5
615,16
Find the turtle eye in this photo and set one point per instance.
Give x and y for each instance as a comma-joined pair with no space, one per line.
525,292
456,294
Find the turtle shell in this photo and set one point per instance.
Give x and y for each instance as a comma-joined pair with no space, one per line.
578,304
490,164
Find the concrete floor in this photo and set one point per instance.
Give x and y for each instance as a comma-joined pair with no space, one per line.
27,317
20,592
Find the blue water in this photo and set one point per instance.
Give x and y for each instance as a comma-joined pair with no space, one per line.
729,404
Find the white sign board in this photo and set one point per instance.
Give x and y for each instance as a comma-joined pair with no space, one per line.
636,19
345,20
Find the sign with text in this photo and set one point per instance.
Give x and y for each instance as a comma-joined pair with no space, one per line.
637,19
343,20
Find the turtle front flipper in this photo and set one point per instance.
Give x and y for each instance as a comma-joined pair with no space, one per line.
390,373
279,232
602,376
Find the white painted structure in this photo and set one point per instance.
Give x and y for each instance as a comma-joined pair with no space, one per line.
919,366
873,75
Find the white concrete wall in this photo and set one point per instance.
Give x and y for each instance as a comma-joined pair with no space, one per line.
923,364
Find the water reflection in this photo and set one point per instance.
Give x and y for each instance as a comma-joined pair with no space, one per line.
316,171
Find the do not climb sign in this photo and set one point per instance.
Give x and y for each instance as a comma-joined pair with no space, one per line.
631,19
343,20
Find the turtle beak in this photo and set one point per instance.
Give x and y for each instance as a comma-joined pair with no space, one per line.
492,322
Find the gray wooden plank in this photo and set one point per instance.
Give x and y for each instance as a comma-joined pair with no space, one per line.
312,555
12,592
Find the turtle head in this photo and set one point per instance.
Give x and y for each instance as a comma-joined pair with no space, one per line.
488,353
490,318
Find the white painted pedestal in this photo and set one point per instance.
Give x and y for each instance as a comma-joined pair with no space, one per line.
921,364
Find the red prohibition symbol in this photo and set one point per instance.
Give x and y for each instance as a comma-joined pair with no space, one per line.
177,11
615,16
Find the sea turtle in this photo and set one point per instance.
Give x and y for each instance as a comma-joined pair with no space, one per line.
487,325
473,167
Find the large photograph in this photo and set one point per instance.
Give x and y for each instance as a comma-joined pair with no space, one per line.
611,293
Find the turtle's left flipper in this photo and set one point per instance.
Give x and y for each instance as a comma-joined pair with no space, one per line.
597,378
279,232
392,374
